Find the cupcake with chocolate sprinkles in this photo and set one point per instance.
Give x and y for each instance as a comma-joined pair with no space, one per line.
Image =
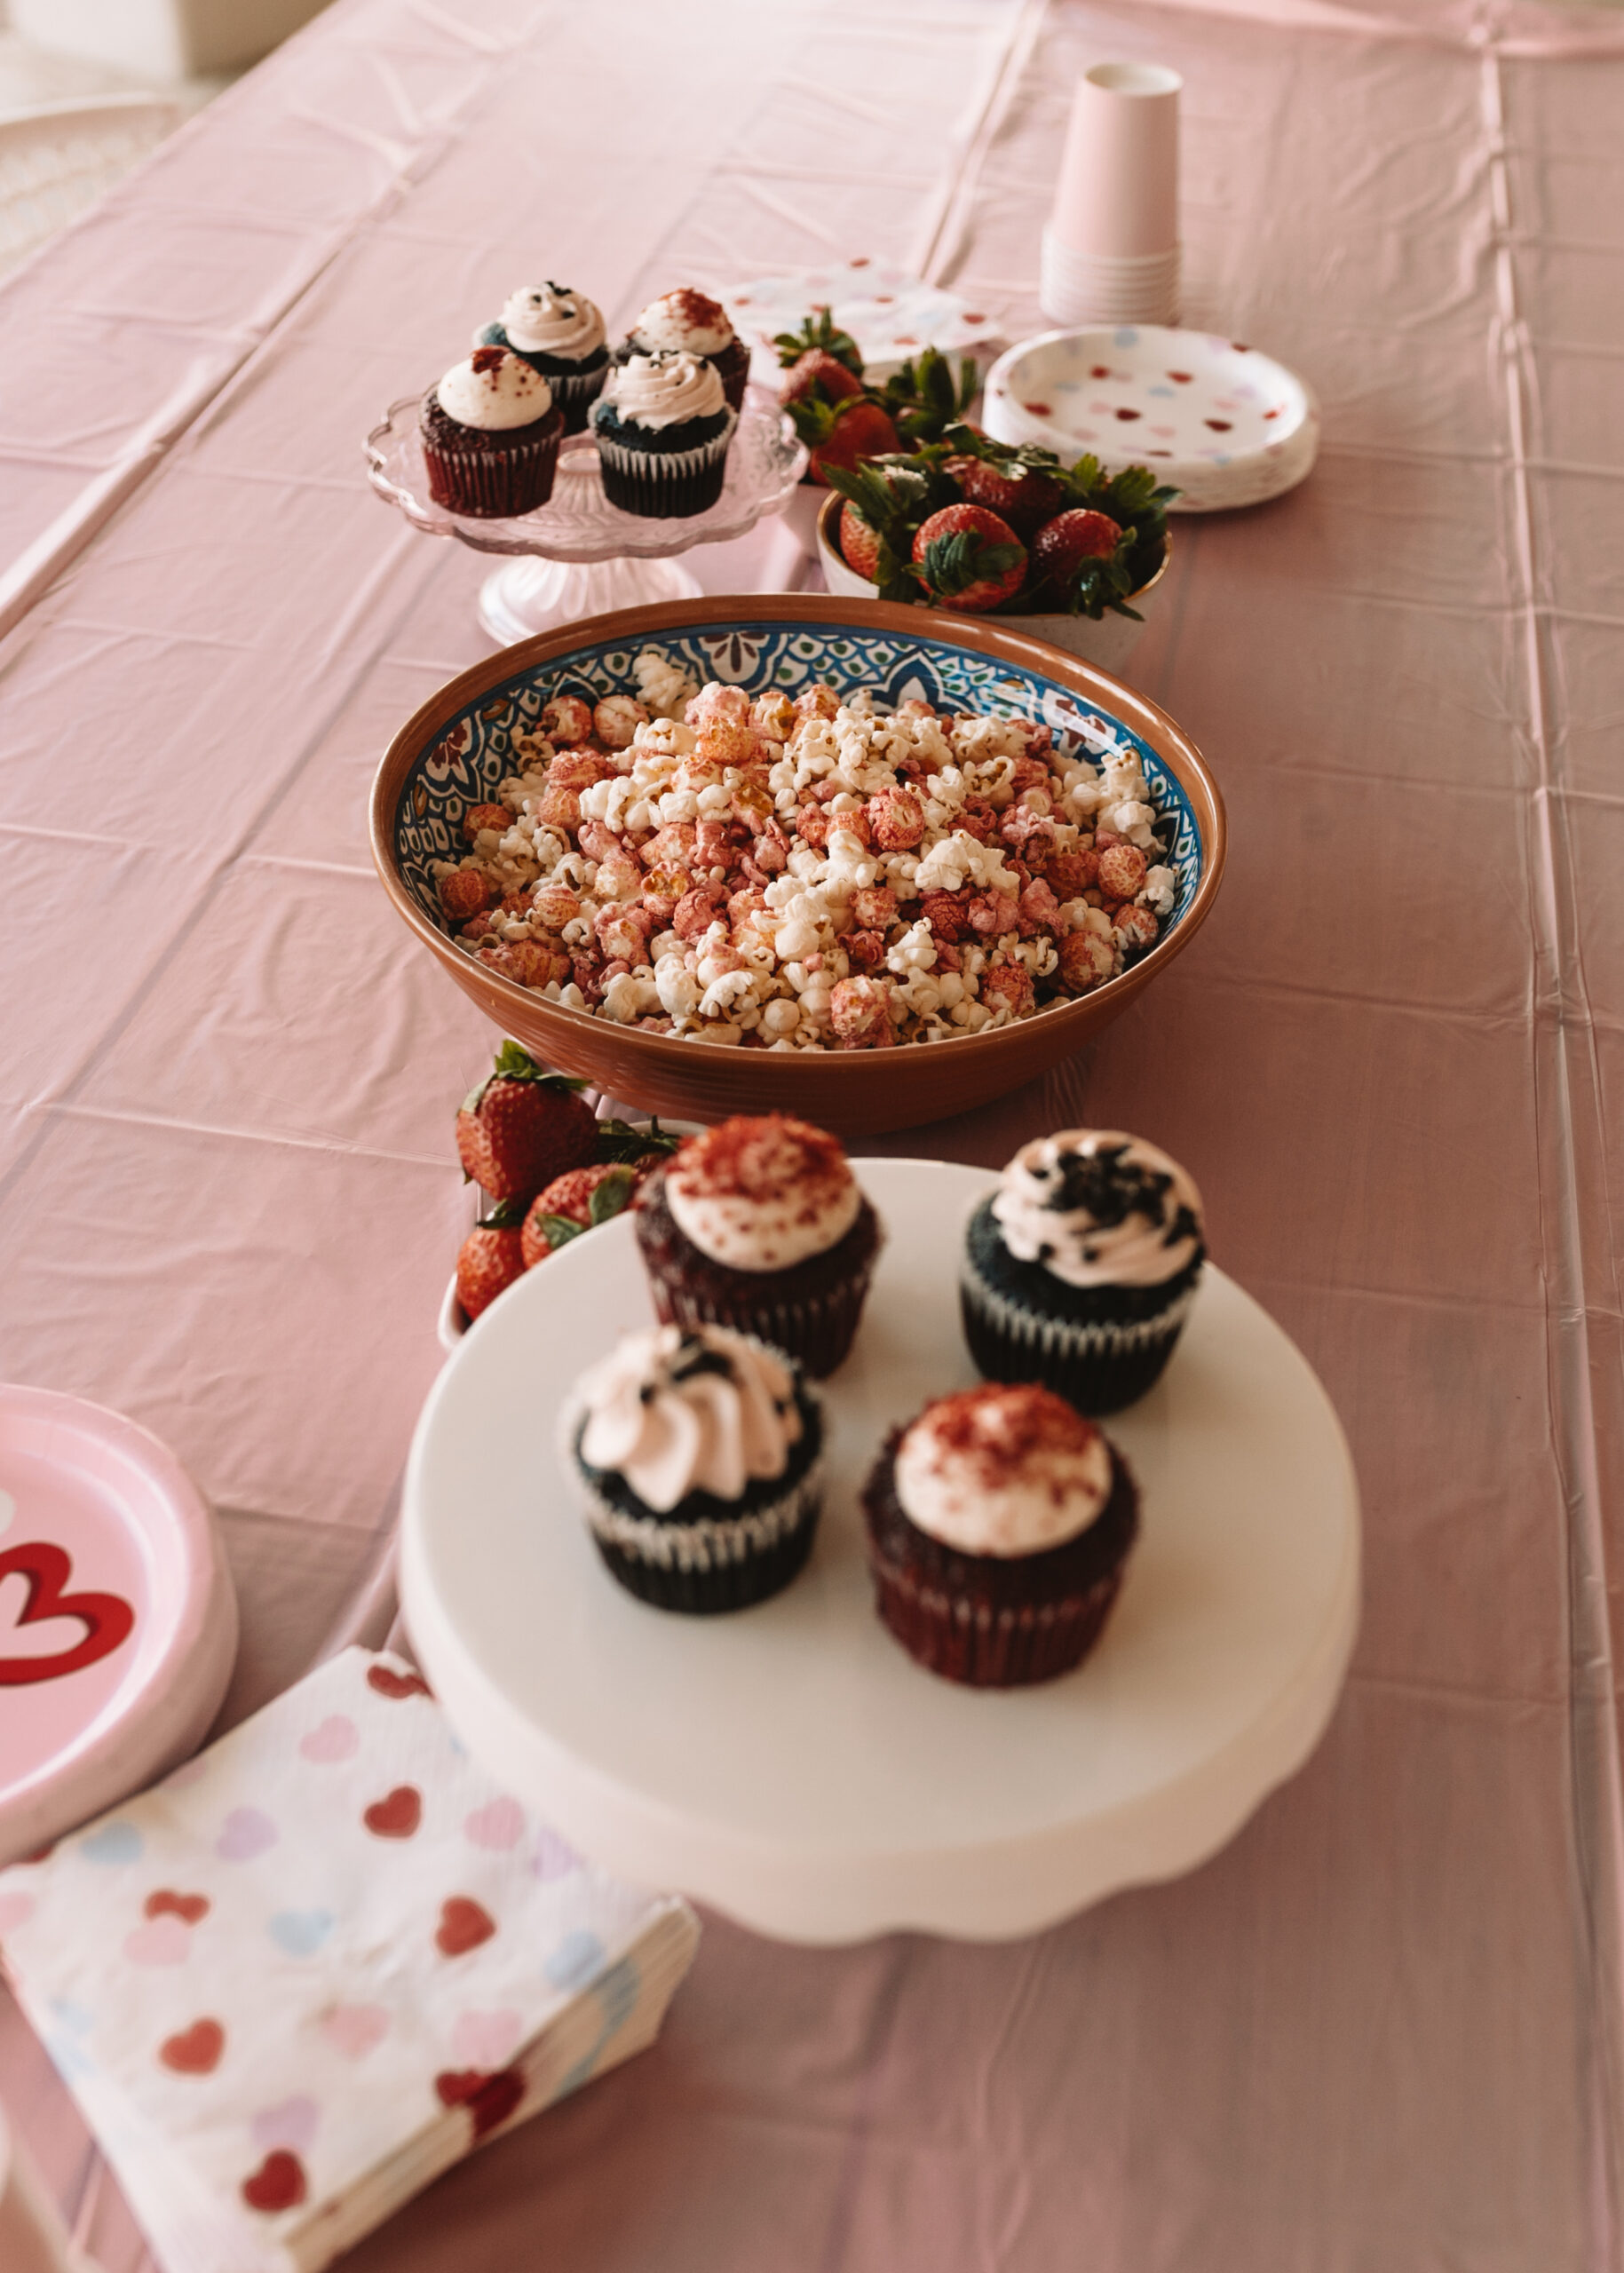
560,334
663,428
1081,1269
688,322
760,1225
699,1455
490,435
999,1523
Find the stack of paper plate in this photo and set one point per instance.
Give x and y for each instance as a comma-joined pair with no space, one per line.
1221,423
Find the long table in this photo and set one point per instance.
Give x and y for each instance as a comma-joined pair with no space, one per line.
1384,2028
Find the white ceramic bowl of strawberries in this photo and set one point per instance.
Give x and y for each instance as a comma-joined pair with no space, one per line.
1106,642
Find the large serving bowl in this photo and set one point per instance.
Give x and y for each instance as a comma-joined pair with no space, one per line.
1105,641
456,749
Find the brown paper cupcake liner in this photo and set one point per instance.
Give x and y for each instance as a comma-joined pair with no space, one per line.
985,1647
816,1330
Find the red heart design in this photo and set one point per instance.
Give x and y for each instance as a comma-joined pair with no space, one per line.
1183,377
195,2051
1128,414
107,1619
390,1684
397,1815
1099,370
189,1907
1218,425
278,2184
464,1925
490,2100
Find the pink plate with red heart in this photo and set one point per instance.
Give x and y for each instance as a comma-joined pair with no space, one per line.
118,1623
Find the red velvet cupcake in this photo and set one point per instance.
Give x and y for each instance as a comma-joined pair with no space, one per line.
760,1225
694,324
490,436
999,1523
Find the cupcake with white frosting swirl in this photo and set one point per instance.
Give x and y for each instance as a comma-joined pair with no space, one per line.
662,426
490,434
690,323
760,1225
698,1452
999,1523
560,334
1081,1269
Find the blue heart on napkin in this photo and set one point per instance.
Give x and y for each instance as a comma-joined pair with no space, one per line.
300,1932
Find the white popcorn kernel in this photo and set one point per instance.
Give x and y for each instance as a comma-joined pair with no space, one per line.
1160,890
915,950
677,988
780,1017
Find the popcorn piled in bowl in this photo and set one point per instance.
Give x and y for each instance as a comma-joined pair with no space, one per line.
808,874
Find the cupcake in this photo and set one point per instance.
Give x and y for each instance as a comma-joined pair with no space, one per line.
490,436
1081,1269
663,430
760,1225
999,1523
560,334
698,1454
688,322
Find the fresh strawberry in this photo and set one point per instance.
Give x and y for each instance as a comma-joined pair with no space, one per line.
491,1257
817,372
839,434
1078,561
1020,495
967,559
824,337
860,545
523,1127
574,1203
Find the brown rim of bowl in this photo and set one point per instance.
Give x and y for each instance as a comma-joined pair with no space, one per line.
828,524
625,625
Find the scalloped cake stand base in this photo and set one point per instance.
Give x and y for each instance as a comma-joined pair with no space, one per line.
529,595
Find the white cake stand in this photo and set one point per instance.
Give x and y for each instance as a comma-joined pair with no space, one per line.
789,1764
579,555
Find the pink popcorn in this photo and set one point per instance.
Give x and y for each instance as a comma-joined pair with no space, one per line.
1121,871
567,718
859,1014
896,820
1008,986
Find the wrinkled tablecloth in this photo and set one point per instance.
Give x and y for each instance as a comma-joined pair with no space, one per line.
1382,2029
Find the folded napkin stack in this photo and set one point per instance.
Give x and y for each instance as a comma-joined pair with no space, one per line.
314,1967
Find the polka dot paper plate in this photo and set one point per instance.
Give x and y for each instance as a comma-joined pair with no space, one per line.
890,314
1224,423
118,1624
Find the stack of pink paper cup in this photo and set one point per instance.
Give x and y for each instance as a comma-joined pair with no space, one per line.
1110,249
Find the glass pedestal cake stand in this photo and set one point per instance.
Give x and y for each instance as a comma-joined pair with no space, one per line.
579,555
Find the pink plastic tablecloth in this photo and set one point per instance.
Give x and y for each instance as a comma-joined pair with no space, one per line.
1382,2029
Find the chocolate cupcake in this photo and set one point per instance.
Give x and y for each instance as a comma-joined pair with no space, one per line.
1081,1270
560,334
999,1523
490,436
688,322
663,430
760,1225
699,1455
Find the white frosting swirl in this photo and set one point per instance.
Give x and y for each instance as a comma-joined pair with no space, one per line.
1001,1470
495,390
662,390
676,1411
683,318
548,320
763,1193
1099,1209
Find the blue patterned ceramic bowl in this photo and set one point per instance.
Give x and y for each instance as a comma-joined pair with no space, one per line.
456,750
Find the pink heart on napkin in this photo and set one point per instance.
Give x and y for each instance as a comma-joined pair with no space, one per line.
499,1823
486,2040
354,2029
336,1738
247,1832
15,1910
164,1940
292,2123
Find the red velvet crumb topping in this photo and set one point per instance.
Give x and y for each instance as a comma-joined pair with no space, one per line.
489,358
998,1428
696,310
763,1157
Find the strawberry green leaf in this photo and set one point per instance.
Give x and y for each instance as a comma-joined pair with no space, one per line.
823,333
560,1230
621,1140
506,1215
610,1197
953,564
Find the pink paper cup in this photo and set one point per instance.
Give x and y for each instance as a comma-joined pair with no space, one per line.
1118,191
